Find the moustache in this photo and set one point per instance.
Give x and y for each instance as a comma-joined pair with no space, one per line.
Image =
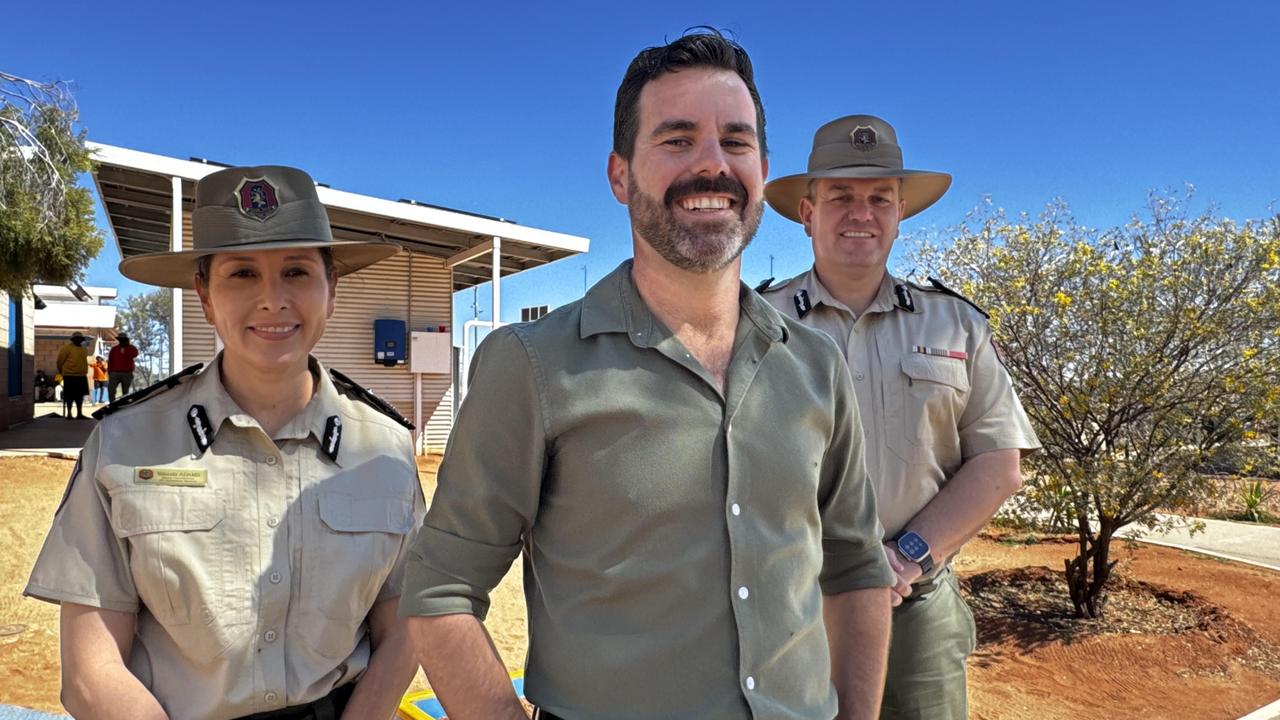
721,184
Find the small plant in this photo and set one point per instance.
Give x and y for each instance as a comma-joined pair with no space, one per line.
1252,496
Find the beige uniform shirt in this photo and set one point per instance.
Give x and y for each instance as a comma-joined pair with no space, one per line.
677,540
931,391
252,564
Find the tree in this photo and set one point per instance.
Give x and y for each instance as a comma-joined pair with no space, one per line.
1137,352
148,320
47,230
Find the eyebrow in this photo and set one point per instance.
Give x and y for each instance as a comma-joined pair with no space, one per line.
683,125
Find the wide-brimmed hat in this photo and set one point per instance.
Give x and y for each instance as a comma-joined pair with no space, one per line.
77,335
857,146
241,209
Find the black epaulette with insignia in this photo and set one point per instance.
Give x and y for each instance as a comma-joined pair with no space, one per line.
347,385
937,284
148,392
764,285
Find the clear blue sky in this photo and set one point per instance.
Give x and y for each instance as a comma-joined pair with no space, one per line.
507,109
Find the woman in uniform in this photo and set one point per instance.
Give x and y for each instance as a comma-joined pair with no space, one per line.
231,542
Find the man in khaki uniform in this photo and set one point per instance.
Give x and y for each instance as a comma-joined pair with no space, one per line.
944,428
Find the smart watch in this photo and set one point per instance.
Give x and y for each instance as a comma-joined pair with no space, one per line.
914,548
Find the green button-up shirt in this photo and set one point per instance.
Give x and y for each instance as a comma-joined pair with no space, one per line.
677,542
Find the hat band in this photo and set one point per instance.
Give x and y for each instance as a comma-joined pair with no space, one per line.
837,155
217,228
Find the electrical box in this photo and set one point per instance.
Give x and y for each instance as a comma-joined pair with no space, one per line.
431,352
388,342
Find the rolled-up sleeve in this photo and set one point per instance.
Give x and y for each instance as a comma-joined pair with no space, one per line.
488,486
853,558
82,560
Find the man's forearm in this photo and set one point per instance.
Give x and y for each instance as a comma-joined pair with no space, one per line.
464,668
968,501
858,624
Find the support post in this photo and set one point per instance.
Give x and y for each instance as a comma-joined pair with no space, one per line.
175,244
497,280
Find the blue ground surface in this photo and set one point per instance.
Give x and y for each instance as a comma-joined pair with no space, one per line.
9,712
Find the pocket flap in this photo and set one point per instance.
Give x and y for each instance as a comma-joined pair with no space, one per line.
136,510
947,371
350,513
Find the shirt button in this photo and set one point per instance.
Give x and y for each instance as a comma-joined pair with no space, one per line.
735,510
272,522
269,636
275,578
271,460
269,697
751,683
858,376
743,592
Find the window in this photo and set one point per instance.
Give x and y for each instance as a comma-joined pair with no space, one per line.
15,348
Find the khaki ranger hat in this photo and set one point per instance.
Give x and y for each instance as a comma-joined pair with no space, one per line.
244,209
857,146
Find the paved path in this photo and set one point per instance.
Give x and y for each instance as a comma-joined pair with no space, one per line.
1244,542
48,434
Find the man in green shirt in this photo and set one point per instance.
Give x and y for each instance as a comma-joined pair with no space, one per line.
681,466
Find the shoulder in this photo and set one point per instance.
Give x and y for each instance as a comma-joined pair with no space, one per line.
161,392
936,294
366,405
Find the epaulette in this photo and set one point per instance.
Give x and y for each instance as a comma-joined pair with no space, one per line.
148,392
348,386
764,285
939,287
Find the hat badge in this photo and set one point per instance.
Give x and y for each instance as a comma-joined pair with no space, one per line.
863,137
257,198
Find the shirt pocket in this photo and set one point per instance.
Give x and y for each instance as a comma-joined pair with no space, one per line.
931,394
355,546
178,558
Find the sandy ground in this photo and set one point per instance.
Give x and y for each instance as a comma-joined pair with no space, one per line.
1191,675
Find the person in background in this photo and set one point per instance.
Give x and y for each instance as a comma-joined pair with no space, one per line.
232,540
73,365
945,430
99,380
120,366
44,387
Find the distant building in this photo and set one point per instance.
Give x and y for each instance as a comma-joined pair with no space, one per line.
70,309
148,200
17,362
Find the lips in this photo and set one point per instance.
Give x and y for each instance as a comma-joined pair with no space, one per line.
278,331
706,194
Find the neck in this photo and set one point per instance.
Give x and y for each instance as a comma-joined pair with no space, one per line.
705,303
271,397
857,289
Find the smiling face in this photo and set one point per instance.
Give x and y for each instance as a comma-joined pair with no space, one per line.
853,222
268,306
695,181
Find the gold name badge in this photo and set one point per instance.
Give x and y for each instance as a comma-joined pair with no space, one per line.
184,477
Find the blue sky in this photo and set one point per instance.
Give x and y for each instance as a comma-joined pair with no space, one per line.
507,109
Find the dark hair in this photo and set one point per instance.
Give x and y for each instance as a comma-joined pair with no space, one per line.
205,262
701,46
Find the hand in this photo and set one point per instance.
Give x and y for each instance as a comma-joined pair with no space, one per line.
906,570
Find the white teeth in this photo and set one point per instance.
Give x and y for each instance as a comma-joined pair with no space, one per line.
275,329
855,234
705,203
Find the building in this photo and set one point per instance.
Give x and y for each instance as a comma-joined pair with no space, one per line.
65,310
17,361
148,200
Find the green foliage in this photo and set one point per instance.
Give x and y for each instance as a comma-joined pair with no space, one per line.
148,319
47,230
1137,351
1252,496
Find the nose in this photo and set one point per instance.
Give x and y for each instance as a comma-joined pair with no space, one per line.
271,293
711,158
860,209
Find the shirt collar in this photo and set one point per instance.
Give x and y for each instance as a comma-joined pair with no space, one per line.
885,299
614,305
208,392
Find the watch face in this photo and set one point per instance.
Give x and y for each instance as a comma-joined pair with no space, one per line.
913,546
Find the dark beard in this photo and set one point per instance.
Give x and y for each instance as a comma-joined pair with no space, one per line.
703,248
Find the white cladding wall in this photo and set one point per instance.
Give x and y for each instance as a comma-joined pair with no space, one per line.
411,287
